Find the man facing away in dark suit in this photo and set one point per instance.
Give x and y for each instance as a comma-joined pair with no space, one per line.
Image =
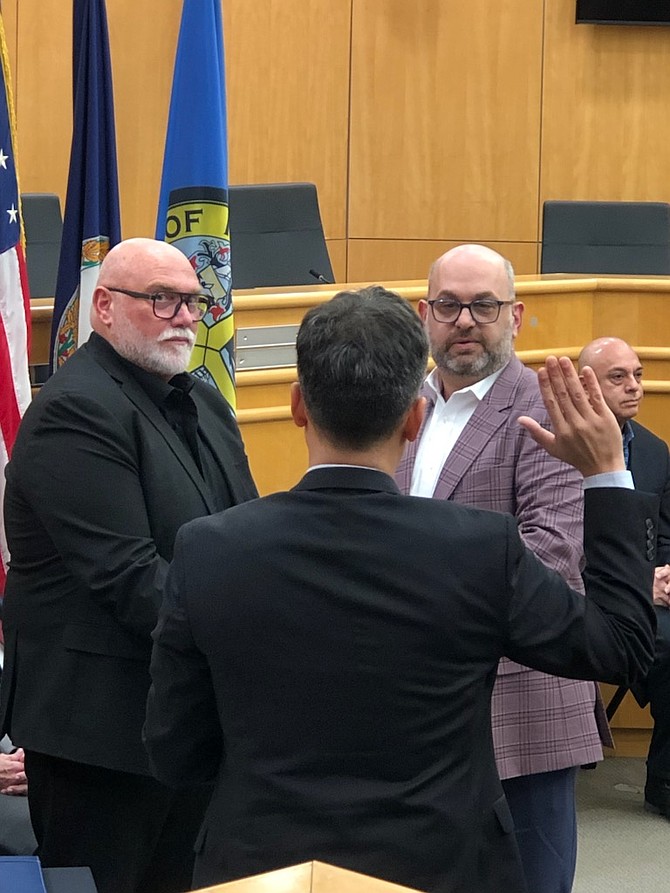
472,450
118,450
619,373
335,678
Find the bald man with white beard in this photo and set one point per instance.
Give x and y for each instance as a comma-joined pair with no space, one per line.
119,449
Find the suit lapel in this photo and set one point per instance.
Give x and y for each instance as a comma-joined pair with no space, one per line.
132,390
487,418
225,448
642,466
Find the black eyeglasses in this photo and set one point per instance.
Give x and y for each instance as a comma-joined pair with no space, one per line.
167,304
483,310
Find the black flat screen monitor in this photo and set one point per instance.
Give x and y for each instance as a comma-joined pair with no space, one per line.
623,12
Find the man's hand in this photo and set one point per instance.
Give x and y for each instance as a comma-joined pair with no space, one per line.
585,432
662,586
12,776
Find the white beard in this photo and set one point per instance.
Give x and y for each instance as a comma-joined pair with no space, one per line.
161,357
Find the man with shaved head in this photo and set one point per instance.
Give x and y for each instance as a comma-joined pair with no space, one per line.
619,373
119,449
472,450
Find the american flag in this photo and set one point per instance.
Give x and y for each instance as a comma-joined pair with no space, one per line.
14,296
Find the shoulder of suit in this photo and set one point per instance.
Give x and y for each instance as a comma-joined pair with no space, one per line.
646,436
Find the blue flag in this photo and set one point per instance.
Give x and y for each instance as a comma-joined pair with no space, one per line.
91,223
193,203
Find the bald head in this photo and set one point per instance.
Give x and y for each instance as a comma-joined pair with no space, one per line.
137,261
619,372
474,259
128,321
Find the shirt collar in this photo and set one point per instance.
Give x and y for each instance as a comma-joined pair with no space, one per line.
479,389
627,433
156,388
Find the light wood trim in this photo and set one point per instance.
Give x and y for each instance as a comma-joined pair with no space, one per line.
309,877
271,414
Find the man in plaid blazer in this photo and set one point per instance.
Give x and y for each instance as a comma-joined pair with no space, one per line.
472,450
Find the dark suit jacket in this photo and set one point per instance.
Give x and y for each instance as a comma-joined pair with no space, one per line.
336,677
649,463
97,487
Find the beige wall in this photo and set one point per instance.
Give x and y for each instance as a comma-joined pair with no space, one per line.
424,124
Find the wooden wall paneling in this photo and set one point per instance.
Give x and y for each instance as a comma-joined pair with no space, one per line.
629,715
560,314
143,42
44,94
142,47
374,260
9,10
276,450
655,410
605,125
445,120
337,251
288,96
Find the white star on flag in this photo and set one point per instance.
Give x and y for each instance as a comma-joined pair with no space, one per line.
13,214
3,159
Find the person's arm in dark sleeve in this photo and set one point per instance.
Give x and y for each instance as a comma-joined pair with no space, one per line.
182,734
609,636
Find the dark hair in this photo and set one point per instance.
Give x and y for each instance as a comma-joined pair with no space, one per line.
361,359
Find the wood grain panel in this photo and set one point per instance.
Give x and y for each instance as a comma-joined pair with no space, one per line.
606,131
277,453
629,715
445,119
142,45
337,250
9,10
380,260
287,68
44,94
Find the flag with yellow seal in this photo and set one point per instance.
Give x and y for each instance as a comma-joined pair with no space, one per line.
193,203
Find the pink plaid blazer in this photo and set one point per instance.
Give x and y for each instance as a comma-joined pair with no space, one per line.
540,722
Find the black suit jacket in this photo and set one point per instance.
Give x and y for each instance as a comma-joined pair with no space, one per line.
649,463
335,677
97,487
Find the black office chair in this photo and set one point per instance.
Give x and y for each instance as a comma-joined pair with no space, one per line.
630,238
43,224
276,235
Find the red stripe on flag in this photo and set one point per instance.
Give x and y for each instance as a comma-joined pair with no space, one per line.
10,415
25,290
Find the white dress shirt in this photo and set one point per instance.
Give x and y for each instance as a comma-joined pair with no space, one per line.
443,429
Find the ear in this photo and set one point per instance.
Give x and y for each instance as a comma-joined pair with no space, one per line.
298,410
414,419
423,309
101,304
517,315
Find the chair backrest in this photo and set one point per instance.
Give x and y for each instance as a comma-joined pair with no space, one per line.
631,238
43,225
276,235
